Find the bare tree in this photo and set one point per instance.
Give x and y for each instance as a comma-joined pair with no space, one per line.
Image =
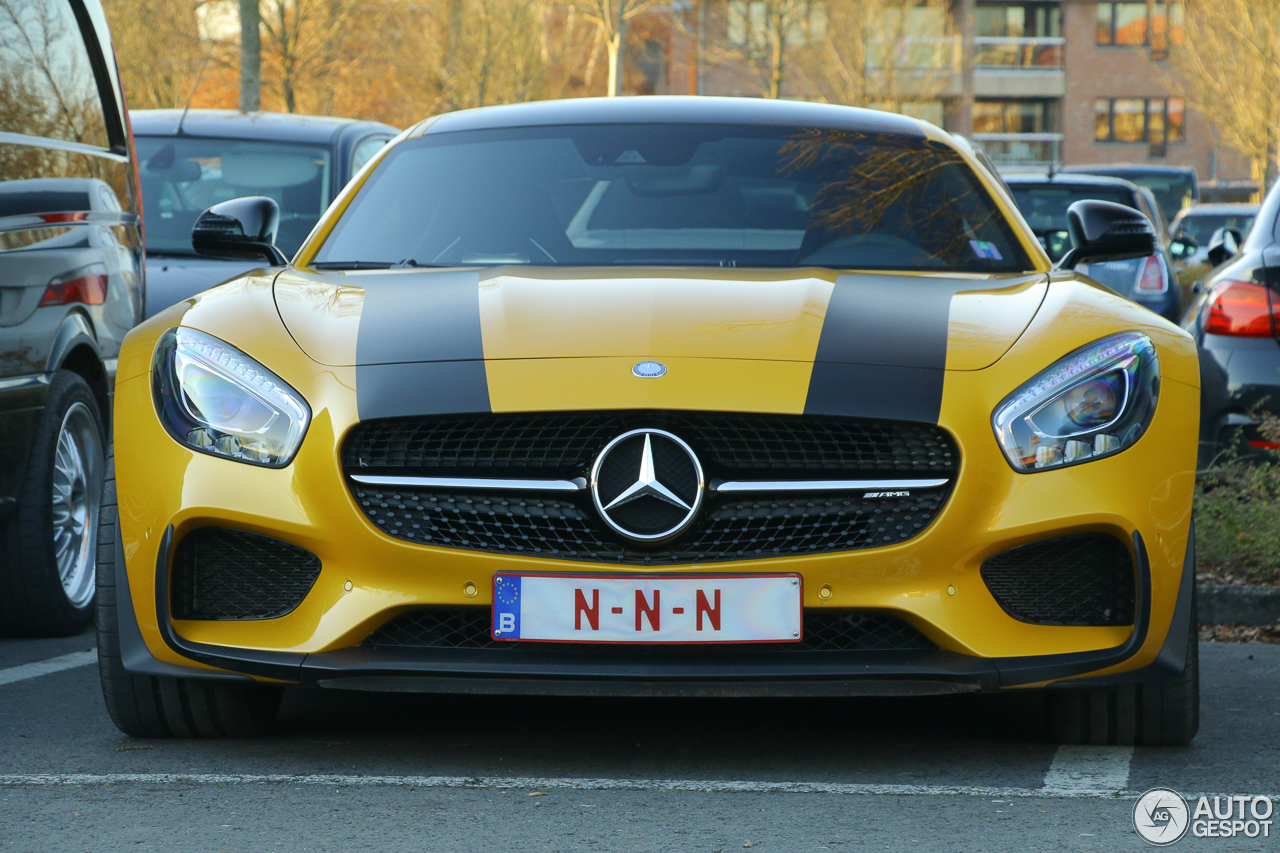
765,33
1229,70
611,18
471,53
158,49
890,54
250,56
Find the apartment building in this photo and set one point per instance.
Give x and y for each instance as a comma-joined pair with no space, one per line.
1036,82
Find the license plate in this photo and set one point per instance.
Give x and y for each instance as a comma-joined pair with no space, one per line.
647,609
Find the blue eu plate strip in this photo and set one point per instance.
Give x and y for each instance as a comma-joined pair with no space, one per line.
506,607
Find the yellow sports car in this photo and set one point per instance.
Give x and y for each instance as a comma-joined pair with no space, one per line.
657,396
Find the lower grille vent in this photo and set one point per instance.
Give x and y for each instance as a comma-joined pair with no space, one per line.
848,630
1081,579
220,573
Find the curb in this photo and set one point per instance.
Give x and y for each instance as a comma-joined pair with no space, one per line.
1240,605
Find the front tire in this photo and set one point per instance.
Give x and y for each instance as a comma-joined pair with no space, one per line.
48,546
150,706
1157,713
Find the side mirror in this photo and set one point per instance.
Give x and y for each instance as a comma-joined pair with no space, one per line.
1105,231
1224,245
1183,246
243,228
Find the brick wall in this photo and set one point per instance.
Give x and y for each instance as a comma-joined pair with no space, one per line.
1102,71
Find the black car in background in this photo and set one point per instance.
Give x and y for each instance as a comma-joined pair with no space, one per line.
1175,187
1236,324
190,162
71,287
1043,201
1195,227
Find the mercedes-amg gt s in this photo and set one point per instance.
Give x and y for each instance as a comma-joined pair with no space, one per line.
657,396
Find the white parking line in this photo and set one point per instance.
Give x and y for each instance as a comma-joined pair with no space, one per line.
1089,769
44,667
526,783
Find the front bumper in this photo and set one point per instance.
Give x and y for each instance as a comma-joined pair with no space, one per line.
570,671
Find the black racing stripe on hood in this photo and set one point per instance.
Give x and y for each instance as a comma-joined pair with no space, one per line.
883,348
419,350
430,316
424,388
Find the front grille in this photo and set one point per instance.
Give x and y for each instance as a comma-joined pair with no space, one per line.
563,445
841,631
1081,579
728,441
220,573
778,526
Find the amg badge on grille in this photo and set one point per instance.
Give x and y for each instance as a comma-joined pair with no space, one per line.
647,484
649,369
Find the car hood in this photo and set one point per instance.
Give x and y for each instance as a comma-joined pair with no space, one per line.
171,279
809,316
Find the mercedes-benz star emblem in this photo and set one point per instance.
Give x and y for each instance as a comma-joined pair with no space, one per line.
649,369
647,485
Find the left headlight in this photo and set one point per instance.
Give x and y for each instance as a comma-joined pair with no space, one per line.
215,399
1094,402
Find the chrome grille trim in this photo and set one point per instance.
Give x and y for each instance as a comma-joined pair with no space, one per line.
579,484
823,485
575,485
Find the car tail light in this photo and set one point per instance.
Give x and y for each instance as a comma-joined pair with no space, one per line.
1265,445
1152,279
87,285
1239,308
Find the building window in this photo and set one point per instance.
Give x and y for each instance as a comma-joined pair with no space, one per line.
1017,20
1012,117
1153,120
1127,24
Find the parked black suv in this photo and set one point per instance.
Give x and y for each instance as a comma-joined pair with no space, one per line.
191,160
71,286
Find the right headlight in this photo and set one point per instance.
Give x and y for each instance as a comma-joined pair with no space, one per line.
1094,402
213,398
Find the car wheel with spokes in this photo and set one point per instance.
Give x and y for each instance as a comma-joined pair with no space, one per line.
49,544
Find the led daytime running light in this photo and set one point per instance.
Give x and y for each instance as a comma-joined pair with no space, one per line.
1038,425
217,400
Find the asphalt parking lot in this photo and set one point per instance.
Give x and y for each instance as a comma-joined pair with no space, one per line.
348,771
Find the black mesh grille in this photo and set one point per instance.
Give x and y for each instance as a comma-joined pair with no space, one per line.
220,573
823,631
569,441
729,530
1082,579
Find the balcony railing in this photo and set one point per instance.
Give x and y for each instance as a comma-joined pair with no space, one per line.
1030,54
1022,149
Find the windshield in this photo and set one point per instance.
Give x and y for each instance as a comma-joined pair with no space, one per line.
183,176
1045,209
721,195
1200,227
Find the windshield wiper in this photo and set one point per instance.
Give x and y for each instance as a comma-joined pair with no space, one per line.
407,263
352,265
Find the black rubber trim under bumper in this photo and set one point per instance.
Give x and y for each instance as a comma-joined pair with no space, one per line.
741,674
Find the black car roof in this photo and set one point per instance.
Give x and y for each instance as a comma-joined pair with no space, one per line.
675,109
1058,179
232,124
1121,168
